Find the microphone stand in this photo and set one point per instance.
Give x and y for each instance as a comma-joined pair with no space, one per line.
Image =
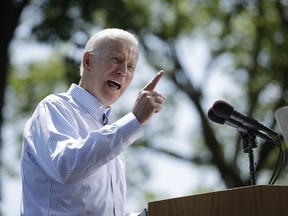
249,142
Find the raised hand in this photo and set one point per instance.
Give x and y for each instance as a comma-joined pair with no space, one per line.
149,101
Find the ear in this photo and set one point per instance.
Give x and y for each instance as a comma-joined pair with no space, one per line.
86,60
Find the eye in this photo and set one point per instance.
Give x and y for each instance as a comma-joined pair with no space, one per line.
131,68
115,59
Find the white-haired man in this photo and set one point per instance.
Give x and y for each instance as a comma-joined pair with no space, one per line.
71,162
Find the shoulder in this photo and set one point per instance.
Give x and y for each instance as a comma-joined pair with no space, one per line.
51,105
55,100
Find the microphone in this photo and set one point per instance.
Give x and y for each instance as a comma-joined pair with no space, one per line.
226,111
213,117
236,124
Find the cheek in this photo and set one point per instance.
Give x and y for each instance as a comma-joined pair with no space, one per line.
130,77
129,80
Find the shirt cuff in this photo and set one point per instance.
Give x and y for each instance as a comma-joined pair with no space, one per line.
131,126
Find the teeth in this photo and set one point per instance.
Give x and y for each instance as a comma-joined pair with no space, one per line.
114,84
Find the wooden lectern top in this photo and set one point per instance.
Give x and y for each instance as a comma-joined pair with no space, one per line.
259,200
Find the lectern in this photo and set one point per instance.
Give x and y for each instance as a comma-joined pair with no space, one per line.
259,200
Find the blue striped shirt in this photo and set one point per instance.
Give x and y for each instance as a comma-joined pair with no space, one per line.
71,162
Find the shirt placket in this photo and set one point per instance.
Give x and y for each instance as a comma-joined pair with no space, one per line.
117,196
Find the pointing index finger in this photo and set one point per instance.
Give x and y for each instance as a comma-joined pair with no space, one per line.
152,84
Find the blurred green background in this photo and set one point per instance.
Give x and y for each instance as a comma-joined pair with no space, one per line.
234,50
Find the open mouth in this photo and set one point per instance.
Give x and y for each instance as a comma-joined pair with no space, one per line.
114,84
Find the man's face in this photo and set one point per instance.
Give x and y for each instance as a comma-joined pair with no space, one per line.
111,70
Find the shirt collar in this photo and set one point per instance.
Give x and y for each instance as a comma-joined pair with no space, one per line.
90,102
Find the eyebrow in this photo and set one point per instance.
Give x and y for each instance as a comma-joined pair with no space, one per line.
122,55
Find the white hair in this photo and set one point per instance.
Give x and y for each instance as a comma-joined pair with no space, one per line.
95,43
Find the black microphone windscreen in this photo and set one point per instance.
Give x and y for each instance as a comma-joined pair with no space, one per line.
213,117
222,109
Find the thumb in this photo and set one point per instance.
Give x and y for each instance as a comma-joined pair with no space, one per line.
152,84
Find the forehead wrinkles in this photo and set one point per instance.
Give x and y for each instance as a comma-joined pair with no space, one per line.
120,48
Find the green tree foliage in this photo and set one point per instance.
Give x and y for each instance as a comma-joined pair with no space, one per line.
249,36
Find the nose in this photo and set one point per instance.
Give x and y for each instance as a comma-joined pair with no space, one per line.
122,68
